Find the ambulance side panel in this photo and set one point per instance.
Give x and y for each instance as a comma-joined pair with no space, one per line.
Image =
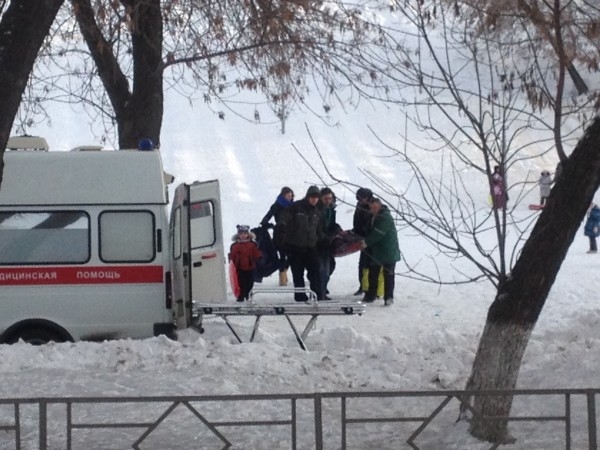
83,246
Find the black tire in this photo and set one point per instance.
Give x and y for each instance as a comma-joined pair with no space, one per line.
35,336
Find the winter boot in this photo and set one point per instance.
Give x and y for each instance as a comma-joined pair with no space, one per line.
283,281
369,298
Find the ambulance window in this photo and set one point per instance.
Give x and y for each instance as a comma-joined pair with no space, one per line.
44,237
126,236
202,224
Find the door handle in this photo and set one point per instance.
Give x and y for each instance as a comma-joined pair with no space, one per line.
197,264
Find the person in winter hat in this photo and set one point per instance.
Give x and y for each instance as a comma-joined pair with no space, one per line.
330,229
499,197
361,224
300,232
283,200
381,245
592,227
244,254
545,183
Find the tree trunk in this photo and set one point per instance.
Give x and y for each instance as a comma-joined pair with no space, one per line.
23,27
141,116
519,301
138,109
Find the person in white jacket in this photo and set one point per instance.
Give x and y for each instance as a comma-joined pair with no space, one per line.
545,182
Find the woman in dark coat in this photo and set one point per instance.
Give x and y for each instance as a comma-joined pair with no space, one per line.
283,201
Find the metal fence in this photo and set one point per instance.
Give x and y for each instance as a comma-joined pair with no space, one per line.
336,420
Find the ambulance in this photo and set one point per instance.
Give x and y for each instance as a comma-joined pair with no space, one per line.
88,251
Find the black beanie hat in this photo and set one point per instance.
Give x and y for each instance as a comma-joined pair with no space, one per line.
363,193
313,191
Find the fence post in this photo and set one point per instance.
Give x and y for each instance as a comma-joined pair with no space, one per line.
318,422
591,405
43,425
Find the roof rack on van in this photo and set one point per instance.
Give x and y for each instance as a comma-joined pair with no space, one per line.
27,143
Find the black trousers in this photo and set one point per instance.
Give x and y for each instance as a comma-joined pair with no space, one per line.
246,282
389,275
302,260
363,263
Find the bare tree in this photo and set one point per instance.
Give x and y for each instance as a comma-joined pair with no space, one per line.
207,51
508,101
558,42
564,31
24,25
474,98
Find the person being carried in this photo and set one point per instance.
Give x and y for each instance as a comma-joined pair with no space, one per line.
300,233
592,227
381,245
244,254
283,200
545,183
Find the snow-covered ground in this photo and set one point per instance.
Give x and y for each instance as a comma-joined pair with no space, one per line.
425,341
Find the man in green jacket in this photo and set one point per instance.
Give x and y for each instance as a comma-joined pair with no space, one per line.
381,244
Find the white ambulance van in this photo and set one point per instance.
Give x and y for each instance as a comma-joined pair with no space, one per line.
87,251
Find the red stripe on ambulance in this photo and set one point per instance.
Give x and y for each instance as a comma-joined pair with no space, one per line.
81,275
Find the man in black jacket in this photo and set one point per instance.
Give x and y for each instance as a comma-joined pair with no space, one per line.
361,225
300,231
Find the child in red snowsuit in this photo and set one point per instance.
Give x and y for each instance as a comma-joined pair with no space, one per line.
244,254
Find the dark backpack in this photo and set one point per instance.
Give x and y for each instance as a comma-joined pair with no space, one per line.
269,262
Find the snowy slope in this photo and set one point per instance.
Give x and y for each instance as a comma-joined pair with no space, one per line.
425,341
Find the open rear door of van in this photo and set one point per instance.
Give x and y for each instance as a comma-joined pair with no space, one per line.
198,259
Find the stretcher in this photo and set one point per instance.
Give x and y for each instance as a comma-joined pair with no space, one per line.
259,307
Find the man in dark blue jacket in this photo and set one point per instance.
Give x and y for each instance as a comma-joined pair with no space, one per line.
330,229
361,225
592,227
300,232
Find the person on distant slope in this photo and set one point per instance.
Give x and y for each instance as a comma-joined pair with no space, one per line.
244,254
300,232
361,224
284,200
499,196
545,182
592,227
381,245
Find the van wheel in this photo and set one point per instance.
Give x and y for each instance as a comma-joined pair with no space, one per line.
35,336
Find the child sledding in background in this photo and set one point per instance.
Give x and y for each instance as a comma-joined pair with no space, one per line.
244,254
592,227
545,183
